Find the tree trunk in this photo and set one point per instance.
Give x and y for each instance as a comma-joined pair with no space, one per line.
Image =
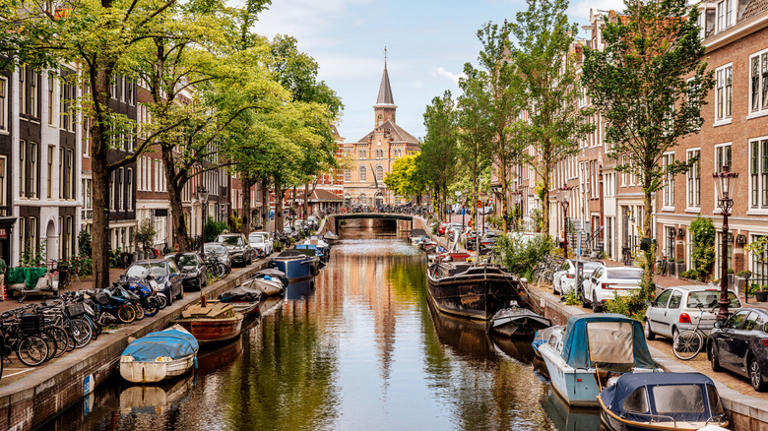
504,195
245,220
475,187
278,208
175,187
545,204
100,228
650,254
264,203
306,200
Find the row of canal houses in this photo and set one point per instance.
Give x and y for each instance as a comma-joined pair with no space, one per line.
45,171
605,207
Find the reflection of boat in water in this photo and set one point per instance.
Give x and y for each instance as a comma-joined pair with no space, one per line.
519,350
567,418
215,359
299,289
467,337
517,322
155,399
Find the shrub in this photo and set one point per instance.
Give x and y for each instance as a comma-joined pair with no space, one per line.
703,250
632,306
145,234
84,243
570,298
520,255
213,229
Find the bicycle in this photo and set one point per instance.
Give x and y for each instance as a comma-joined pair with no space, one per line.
627,256
690,342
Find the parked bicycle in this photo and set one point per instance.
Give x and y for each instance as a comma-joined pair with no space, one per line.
691,342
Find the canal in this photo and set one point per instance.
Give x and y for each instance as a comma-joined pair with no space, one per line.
361,349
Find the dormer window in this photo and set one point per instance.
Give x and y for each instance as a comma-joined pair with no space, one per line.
725,14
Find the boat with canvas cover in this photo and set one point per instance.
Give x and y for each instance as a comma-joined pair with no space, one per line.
272,274
474,291
294,264
593,348
662,401
211,323
518,322
243,299
159,355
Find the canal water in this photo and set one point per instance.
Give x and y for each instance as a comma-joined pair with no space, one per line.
358,349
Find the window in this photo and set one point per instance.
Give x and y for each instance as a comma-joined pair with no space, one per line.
361,154
129,184
662,299
759,266
87,196
758,82
129,86
723,92
50,98
636,402
3,104
86,136
22,90
347,174
112,191
3,186
34,99
725,15
69,175
678,399
722,156
61,173
675,300
49,173
758,173
23,232
23,169
668,191
33,233
379,173
32,170
693,179
362,173
120,188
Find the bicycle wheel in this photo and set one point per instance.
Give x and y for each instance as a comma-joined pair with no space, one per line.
32,350
82,332
51,341
687,344
62,340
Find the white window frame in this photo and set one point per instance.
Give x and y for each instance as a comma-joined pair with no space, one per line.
716,168
668,191
723,94
5,106
691,205
762,102
759,205
129,183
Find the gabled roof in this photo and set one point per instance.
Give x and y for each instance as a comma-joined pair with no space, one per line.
397,132
385,90
755,8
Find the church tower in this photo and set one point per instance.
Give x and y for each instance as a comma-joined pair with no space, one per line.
385,107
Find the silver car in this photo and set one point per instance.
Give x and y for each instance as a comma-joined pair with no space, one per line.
677,308
564,279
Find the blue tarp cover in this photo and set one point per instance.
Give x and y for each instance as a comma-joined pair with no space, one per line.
576,343
314,247
170,342
690,404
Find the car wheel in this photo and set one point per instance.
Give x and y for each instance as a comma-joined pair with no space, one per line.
596,306
756,375
556,288
181,293
649,334
584,302
714,360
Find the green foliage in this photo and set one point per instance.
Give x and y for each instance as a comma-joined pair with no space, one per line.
703,248
520,255
84,243
33,256
145,234
632,306
439,151
406,178
235,222
212,229
570,298
115,258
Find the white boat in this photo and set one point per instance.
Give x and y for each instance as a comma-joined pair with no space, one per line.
593,348
159,355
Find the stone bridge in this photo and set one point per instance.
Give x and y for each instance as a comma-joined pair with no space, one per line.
400,224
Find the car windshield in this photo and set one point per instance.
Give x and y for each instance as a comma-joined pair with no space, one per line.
591,267
186,260
709,298
257,238
215,249
625,274
229,240
141,270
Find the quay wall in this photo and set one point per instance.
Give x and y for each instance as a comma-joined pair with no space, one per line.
746,413
42,393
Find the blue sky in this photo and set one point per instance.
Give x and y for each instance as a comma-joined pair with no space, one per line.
428,42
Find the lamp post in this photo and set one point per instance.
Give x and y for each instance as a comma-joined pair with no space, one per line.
562,196
517,198
202,196
725,203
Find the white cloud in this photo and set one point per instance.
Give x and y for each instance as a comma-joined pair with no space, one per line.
580,9
442,72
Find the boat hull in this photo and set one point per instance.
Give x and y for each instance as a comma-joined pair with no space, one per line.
294,269
208,331
478,298
615,423
521,327
152,372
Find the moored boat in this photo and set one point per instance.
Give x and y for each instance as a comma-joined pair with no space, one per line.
471,291
243,299
593,348
294,264
272,274
267,287
159,355
518,322
662,401
211,323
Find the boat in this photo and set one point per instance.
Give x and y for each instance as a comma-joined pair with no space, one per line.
266,287
243,299
322,252
330,237
299,290
662,401
272,274
543,335
294,264
518,322
593,348
159,355
472,291
211,323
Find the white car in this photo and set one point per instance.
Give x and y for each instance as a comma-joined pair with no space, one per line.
262,242
606,283
677,309
564,279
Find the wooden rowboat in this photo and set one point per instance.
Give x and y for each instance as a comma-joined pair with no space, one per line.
211,323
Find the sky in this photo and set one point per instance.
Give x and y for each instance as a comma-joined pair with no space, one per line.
428,42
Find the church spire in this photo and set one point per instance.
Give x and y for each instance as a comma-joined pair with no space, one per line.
385,90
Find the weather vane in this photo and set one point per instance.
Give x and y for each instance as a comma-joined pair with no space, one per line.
385,55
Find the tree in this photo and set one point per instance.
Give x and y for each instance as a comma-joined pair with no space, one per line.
438,152
406,178
649,83
555,124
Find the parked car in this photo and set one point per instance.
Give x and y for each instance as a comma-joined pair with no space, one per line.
607,282
238,248
261,242
193,274
165,273
471,238
564,279
219,252
488,241
677,309
740,345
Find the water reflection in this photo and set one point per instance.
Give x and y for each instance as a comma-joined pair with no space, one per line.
569,419
360,350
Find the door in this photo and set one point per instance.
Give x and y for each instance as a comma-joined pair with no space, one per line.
657,313
725,340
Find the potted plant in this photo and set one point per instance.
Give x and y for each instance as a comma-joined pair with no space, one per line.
742,278
762,294
679,267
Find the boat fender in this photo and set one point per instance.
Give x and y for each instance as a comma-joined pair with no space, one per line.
194,362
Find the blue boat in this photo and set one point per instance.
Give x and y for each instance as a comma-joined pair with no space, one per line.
662,401
159,355
322,252
592,346
294,264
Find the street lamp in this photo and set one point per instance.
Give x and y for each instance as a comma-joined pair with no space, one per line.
202,196
458,201
563,193
517,196
725,203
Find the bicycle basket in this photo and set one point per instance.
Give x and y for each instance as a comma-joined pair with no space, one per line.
31,322
75,309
